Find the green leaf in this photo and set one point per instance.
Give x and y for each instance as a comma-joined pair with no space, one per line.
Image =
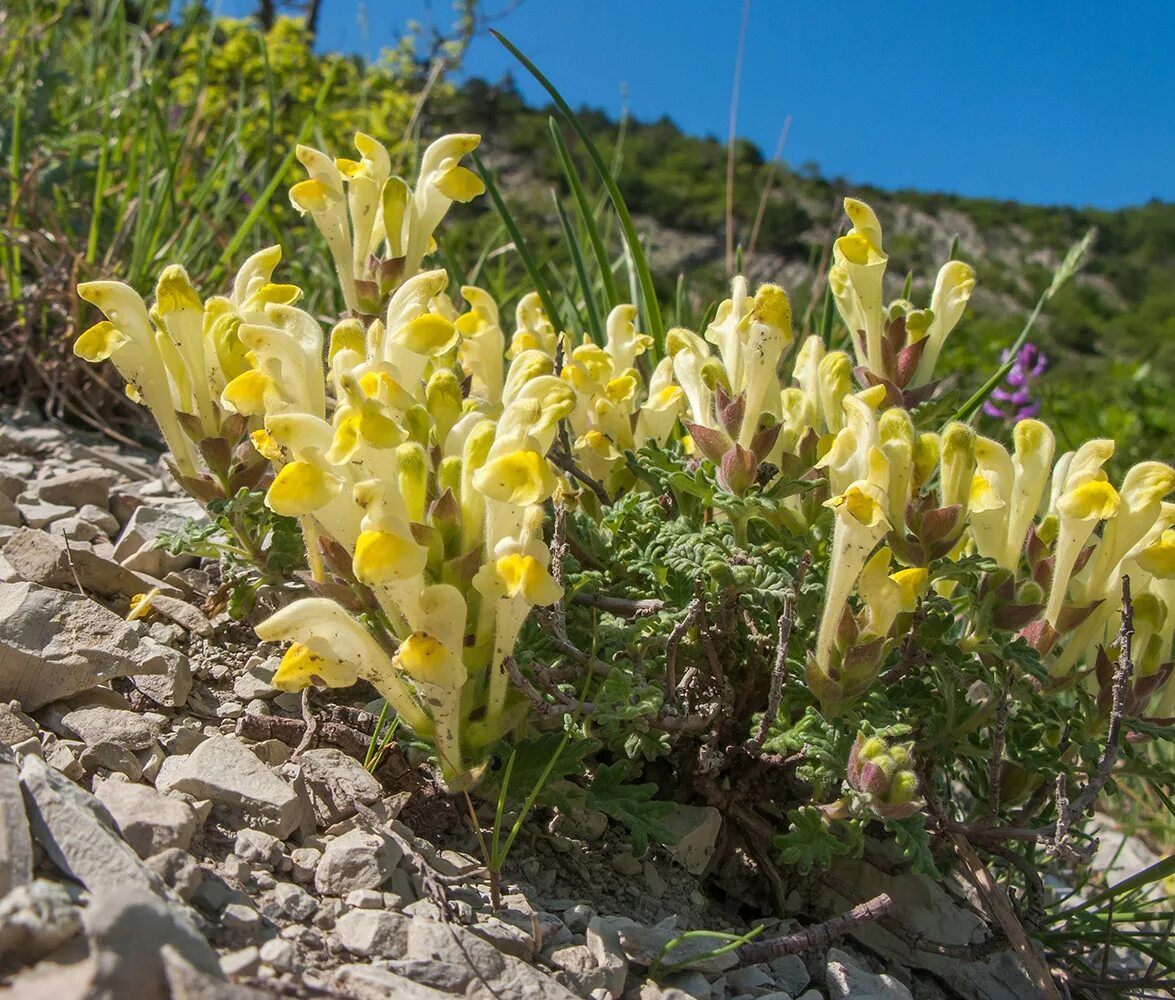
811,843
632,805
531,757
911,836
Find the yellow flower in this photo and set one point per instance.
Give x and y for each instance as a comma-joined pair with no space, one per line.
427,660
301,488
952,292
520,477
384,556
301,666
1158,558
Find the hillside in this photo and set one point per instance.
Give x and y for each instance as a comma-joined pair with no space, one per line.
1110,335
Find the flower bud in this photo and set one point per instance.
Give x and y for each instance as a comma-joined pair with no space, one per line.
834,382
412,478
884,775
958,464
443,399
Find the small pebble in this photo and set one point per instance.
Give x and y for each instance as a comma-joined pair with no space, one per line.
240,963
240,917
365,899
303,862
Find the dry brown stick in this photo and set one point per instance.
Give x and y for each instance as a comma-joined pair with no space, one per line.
598,667
293,731
817,936
558,611
787,621
311,721
999,907
568,465
545,709
998,738
693,611
910,650
621,606
1122,676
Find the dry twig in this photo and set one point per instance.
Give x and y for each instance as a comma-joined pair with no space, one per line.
817,936
787,620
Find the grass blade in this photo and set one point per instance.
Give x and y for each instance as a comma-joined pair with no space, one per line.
594,322
520,245
588,215
650,305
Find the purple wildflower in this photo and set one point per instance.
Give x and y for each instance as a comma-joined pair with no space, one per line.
1013,400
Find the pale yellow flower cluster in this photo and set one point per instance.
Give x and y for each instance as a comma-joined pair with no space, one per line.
413,446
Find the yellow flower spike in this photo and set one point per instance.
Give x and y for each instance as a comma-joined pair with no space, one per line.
927,448
860,506
806,369
841,460
769,333
301,488
525,368
1081,466
412,478
174,291
255,273
386,556
362,426
430,334
474,455
511,583
520,478
952,291
300,667
534,413
621,389
136,356
912,583
1141,496
313,197
860,524
773,307
662,407
623,344
859,263
1091,501
1150,613
99,342
482,345
222,333
431,656
864,221
988,498
888,595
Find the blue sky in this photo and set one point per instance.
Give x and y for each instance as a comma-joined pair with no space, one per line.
1038,101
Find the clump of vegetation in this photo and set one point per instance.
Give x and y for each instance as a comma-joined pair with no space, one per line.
767,552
